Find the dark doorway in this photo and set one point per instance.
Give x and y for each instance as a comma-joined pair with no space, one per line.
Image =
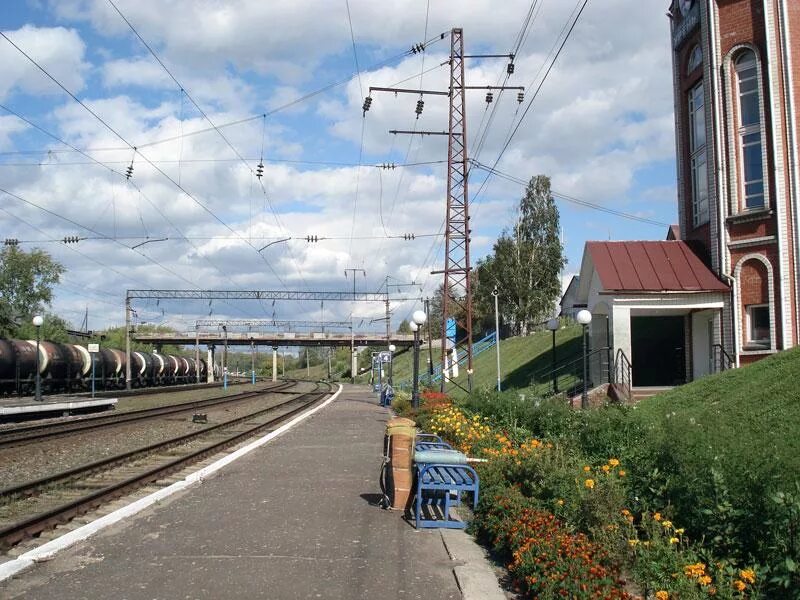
657,351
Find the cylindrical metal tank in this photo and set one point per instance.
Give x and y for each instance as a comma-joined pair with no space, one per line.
52,362
86,360
74,363
183,369
159,367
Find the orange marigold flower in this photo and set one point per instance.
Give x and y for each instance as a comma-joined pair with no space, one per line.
587,468
662,595
657,516
739,585
704,580
605,468
621,473
748,575
589,483
613,462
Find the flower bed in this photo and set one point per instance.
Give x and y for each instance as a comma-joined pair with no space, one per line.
560,521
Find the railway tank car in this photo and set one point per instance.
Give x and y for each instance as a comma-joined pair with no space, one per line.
65,367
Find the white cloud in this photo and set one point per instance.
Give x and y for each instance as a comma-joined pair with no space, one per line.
58,50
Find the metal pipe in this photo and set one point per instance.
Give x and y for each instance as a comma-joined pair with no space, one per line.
497,335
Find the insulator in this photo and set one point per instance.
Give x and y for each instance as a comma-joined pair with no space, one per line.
420,105
408,236
367,103
510,68
11,242
520,97
312,238
260,170
129,171
417,48
489,97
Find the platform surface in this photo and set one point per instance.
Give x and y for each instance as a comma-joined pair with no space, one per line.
292,519
27,404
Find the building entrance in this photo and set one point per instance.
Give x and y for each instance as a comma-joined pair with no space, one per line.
657,351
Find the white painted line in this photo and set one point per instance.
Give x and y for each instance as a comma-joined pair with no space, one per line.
48,550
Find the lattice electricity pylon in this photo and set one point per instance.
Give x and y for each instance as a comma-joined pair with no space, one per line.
457,300
457,296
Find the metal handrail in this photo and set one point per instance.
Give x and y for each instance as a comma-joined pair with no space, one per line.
725,360
573,371
623,378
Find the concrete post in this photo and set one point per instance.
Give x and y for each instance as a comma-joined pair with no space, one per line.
274,363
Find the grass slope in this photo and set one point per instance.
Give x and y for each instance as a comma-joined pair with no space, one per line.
521,358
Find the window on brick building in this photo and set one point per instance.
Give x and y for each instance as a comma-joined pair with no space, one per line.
695,59
758,324
750,131
697,148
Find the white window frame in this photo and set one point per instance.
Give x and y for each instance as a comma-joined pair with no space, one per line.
764,341
744,131
700,210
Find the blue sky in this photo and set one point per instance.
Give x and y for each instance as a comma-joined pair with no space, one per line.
601,127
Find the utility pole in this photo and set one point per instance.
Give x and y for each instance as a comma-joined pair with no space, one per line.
353,361
127,342
457,298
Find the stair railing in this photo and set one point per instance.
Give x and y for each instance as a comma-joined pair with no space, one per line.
623,378
722,360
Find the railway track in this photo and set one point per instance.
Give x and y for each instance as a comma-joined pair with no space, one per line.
41,431
37,506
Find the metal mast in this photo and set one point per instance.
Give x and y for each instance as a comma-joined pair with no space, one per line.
457,297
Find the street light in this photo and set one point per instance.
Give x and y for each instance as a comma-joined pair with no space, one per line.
552,325
417,321
584,317
495,293
37,322
392,348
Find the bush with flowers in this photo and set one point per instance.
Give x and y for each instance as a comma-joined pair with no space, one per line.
559,519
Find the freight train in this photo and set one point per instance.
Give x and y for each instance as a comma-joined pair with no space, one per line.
68,368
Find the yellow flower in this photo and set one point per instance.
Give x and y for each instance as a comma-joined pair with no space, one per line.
589,483
657,516
680,531
587,468
613,462
666,524
662,595
739,585
560,502
748,575
632,543
605,468
704,580
673,540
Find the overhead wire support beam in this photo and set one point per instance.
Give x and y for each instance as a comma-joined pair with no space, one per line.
410,132
256,295
271,323
408,91
511,56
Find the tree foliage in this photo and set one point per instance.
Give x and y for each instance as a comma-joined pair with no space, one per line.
26,286
525,263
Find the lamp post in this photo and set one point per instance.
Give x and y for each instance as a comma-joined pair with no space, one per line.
497,334
37,322
552,325
584,318
392,348
417,321
225,360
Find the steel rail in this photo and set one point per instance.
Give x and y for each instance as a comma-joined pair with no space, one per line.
33,526
29,433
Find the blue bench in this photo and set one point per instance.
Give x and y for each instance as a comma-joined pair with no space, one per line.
439,487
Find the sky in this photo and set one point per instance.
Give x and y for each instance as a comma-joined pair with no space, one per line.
194,94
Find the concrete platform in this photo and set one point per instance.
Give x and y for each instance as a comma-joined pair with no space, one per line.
16,407
294,518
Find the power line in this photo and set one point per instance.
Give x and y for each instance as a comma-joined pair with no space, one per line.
573,199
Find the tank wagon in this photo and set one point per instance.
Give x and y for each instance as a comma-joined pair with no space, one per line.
68,368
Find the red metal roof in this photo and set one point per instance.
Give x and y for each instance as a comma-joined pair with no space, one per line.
652,266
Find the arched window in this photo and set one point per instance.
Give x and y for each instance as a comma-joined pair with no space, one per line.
697,150
695,59
755,298
750,131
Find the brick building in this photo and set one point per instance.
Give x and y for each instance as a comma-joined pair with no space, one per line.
736,125
722,289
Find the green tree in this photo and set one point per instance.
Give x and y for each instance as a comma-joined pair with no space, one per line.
404,327
26,286
525,263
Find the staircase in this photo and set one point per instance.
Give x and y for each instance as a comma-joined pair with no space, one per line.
478,347
642,392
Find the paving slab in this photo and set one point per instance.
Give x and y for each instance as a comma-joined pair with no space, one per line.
295,518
